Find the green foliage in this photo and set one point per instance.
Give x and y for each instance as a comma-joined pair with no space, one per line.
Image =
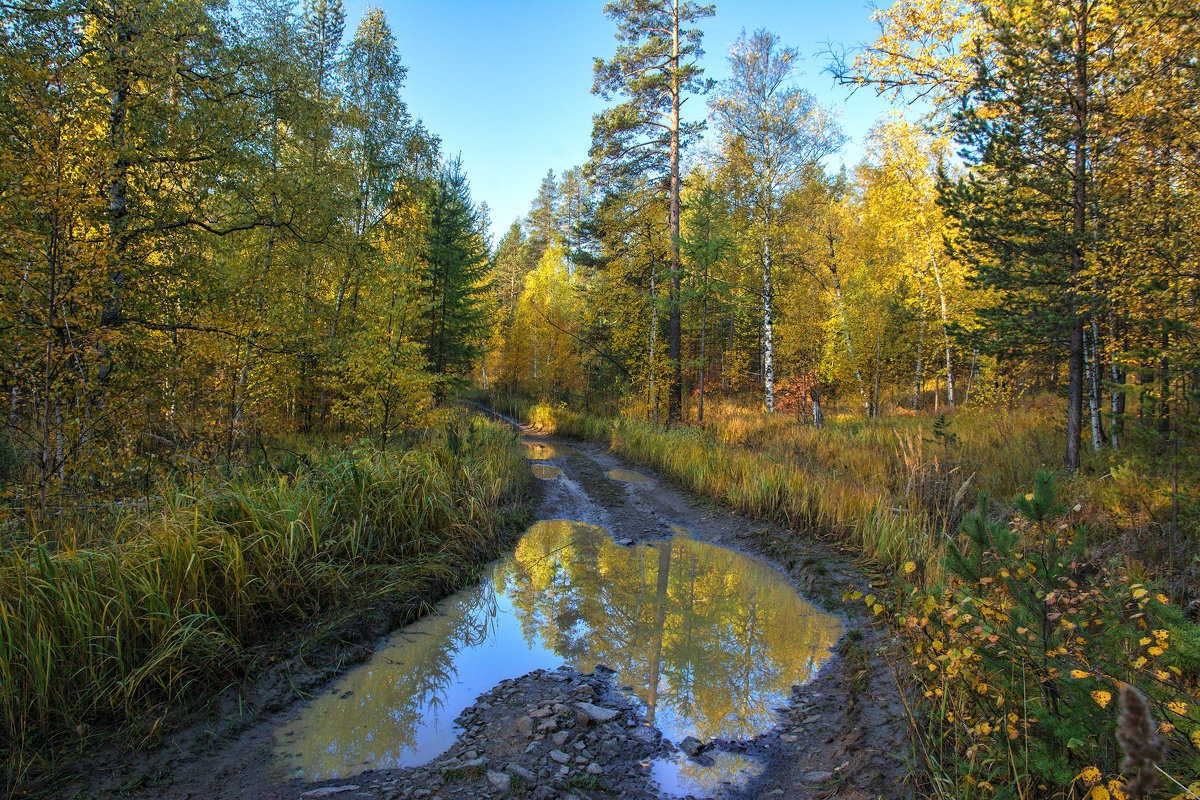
1023,652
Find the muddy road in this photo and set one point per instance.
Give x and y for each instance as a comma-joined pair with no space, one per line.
639,642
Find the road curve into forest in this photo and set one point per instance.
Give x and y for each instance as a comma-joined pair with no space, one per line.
574,726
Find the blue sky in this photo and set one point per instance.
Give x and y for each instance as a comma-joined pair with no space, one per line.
508,85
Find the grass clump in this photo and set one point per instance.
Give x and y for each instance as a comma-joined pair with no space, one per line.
172,603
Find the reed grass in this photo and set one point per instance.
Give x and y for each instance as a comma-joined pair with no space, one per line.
171,603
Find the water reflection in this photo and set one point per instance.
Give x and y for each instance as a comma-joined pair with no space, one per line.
625,476
680,777
540,451
710,640
546,472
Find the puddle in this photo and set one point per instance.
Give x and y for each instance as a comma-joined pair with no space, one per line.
682,777
679,530
539,451
626,476
546,472
710,640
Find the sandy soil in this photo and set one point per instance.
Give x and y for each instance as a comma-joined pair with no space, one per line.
843,735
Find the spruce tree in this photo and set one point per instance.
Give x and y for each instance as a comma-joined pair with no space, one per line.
456,261
1027,127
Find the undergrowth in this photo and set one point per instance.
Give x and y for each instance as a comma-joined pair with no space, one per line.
170,603
1023,650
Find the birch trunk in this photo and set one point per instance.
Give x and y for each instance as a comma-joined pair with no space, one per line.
937,276
1117,398
1092,371
768,327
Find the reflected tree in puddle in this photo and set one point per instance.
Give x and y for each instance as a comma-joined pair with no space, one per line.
625,476
710,639
540,451
681,776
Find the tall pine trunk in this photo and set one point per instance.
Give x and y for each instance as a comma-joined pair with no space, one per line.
937,276
920,346
675,397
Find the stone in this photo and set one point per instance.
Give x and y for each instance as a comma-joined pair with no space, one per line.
625,542
559,738
526,776
597,713
691,745
329,791
787,738
499,780
525,726
595,769
644,734
559,756
476,763
540,713
817,776
605,668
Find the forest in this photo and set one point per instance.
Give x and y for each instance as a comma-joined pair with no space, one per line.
248,304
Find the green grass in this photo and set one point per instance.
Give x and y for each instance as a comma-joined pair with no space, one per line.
166,605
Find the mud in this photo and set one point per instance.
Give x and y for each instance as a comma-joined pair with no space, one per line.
842,734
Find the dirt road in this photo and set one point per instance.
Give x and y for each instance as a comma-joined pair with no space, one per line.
565,733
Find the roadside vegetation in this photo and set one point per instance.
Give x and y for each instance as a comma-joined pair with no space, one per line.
113,621
225,237
1024,602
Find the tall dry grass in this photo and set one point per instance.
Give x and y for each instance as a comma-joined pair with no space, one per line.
169,604
891,488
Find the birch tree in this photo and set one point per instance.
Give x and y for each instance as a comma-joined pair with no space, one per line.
781,132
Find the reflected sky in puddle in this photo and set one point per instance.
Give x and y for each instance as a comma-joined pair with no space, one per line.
546,472
625,476
680,777
710,640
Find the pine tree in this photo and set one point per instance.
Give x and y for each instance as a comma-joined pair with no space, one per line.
655,67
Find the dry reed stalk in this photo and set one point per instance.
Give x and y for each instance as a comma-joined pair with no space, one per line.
1140,741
